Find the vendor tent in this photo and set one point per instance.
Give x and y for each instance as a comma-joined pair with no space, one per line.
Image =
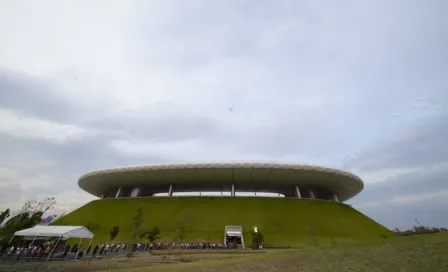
56,231
63,232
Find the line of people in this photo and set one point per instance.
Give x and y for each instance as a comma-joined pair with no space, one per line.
62,250
106,249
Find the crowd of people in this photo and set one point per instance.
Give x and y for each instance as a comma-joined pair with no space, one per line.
62,250
105,249
28,251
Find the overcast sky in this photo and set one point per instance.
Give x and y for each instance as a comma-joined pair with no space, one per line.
357,85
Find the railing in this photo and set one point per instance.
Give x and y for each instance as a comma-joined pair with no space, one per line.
110,259
18,262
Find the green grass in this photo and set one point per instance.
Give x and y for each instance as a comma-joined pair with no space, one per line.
410,254
285,222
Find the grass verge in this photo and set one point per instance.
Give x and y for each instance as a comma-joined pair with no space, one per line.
414,254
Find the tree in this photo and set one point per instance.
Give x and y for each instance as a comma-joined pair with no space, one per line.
181,234
137,221
151,235
257,237
311,233
180,237
4,215
114,232
418,230
29,216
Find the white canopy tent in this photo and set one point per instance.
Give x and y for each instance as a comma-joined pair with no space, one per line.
57,231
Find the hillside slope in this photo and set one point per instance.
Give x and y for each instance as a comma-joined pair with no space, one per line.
284,221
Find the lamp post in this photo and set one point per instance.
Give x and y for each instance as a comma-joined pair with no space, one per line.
257,237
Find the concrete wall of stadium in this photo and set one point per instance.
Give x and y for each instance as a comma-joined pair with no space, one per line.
150,191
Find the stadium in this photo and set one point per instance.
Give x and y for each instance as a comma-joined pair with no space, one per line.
306,204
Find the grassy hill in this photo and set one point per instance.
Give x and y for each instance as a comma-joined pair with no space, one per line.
285,222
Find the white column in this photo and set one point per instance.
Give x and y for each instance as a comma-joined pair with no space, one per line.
135,192
233,190
336,198
118,193
312,195
298,195
170,191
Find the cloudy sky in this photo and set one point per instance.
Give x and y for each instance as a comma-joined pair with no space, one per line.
358,85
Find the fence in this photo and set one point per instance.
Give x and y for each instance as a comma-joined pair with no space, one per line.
13,262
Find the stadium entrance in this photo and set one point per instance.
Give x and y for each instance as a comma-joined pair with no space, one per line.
233,237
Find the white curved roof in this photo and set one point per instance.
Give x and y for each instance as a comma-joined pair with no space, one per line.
343,183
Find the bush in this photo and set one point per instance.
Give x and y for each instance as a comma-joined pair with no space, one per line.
257,237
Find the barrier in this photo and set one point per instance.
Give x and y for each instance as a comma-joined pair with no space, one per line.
13,262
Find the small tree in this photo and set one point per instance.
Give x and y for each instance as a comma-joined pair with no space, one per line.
151,235
114,232
257,237
138,221
181,234
180,237
313,238
4,215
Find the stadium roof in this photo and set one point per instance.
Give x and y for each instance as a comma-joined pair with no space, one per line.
201,177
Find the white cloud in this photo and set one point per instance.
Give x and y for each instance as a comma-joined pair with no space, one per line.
29,127
22,183
388,174
66,201
7,173
173,149
412,199
435,197
382,175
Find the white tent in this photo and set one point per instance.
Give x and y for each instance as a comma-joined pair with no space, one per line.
56,231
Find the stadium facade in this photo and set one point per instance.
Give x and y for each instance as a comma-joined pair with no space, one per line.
311,212
289,180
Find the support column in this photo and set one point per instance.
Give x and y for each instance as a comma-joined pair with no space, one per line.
233,190
170,191
312,195
135,192
118,193
336,198
298,195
